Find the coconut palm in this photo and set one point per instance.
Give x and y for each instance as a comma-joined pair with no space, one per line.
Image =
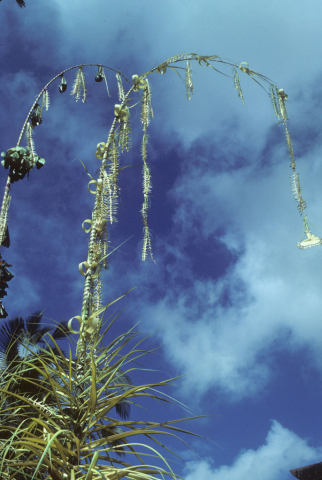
24,351
19,339
18,333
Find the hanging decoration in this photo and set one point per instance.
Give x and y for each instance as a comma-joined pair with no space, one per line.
100,74
35,117
311,240
63,85
20,161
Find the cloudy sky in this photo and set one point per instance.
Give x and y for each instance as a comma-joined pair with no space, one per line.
234,303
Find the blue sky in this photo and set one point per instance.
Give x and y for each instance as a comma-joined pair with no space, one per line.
234,303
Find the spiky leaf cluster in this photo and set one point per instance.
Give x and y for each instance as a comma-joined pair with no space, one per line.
77,434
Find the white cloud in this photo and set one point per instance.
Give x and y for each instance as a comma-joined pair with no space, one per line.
115,34
282,451
272,291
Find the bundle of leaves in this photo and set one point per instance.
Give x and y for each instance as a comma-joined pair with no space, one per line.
57,420
20,161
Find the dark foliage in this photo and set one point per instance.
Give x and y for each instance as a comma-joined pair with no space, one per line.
21,3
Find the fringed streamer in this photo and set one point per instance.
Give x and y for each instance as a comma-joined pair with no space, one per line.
107,210
111,182
290,147
30,142
120,87
83,85
98,293
237,86
101,223
147,247
296,190
79,85
96,285
108,92
146,114
275,102
146,108
147,187
125,136
278,98
111,207
105,249
45,100
282,97
188,80
4,214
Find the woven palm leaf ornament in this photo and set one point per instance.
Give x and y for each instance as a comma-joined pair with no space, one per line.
20,160
311,240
